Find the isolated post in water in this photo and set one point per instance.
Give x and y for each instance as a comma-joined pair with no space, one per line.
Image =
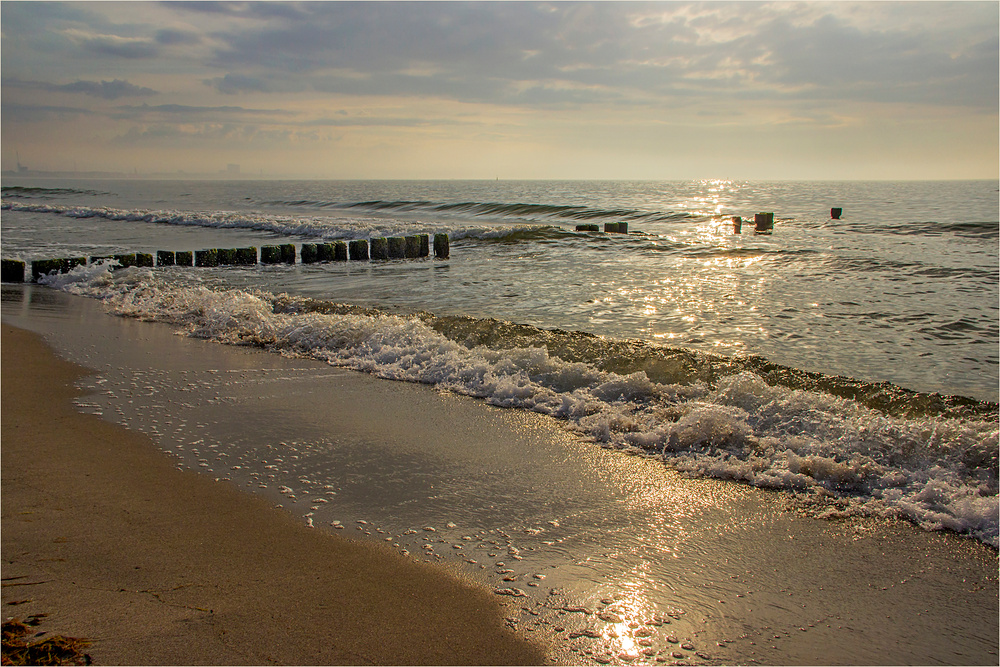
737,224
441,246
764,222
835,213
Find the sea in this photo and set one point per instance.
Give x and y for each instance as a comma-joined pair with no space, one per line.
855,359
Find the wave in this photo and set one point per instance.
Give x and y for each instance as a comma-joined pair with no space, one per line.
849,447
496,210
972,229
303,227
18,191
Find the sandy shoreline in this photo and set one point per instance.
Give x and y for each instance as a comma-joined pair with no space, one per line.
159,566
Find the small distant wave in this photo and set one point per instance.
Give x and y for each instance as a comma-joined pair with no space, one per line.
850,446
19,192
302,227
975,230
496,210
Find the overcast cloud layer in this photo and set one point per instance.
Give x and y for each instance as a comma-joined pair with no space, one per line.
515,90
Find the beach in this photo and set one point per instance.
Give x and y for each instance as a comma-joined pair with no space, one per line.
608,557
160,566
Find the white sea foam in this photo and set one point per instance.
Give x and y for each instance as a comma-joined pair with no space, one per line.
317,227
939,473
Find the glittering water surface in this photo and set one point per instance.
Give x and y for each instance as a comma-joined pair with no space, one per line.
903,288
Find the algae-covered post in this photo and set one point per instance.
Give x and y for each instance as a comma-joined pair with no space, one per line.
339,251
309,253
43,267
359,249
287,253
397,247
127,259
588,228
246,256
425,245
206,257
12,271
166,258
270,254
412,247
324,252
70,263
144,259
184,258
227,256
441,246
380,248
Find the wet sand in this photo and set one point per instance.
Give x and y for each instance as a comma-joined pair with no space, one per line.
620,559
159,566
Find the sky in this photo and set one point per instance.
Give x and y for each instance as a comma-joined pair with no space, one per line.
511,90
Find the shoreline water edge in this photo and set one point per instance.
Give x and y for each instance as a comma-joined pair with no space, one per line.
107,541
598,556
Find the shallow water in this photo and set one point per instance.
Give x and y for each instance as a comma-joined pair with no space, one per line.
734,573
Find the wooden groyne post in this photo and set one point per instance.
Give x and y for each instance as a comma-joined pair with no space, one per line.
11,271
737,224
764,223
441,246
835,213
358,249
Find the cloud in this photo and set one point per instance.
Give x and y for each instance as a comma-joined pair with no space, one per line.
170,36
108,90
250,10
569,53
33,113
231,84
370,121
186,111
115,45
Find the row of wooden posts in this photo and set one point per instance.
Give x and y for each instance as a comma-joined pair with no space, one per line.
408,247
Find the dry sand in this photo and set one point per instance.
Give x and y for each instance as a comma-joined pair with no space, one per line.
159,566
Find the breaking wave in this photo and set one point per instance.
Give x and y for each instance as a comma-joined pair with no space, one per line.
848,447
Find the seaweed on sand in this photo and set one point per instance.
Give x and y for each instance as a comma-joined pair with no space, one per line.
19,649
